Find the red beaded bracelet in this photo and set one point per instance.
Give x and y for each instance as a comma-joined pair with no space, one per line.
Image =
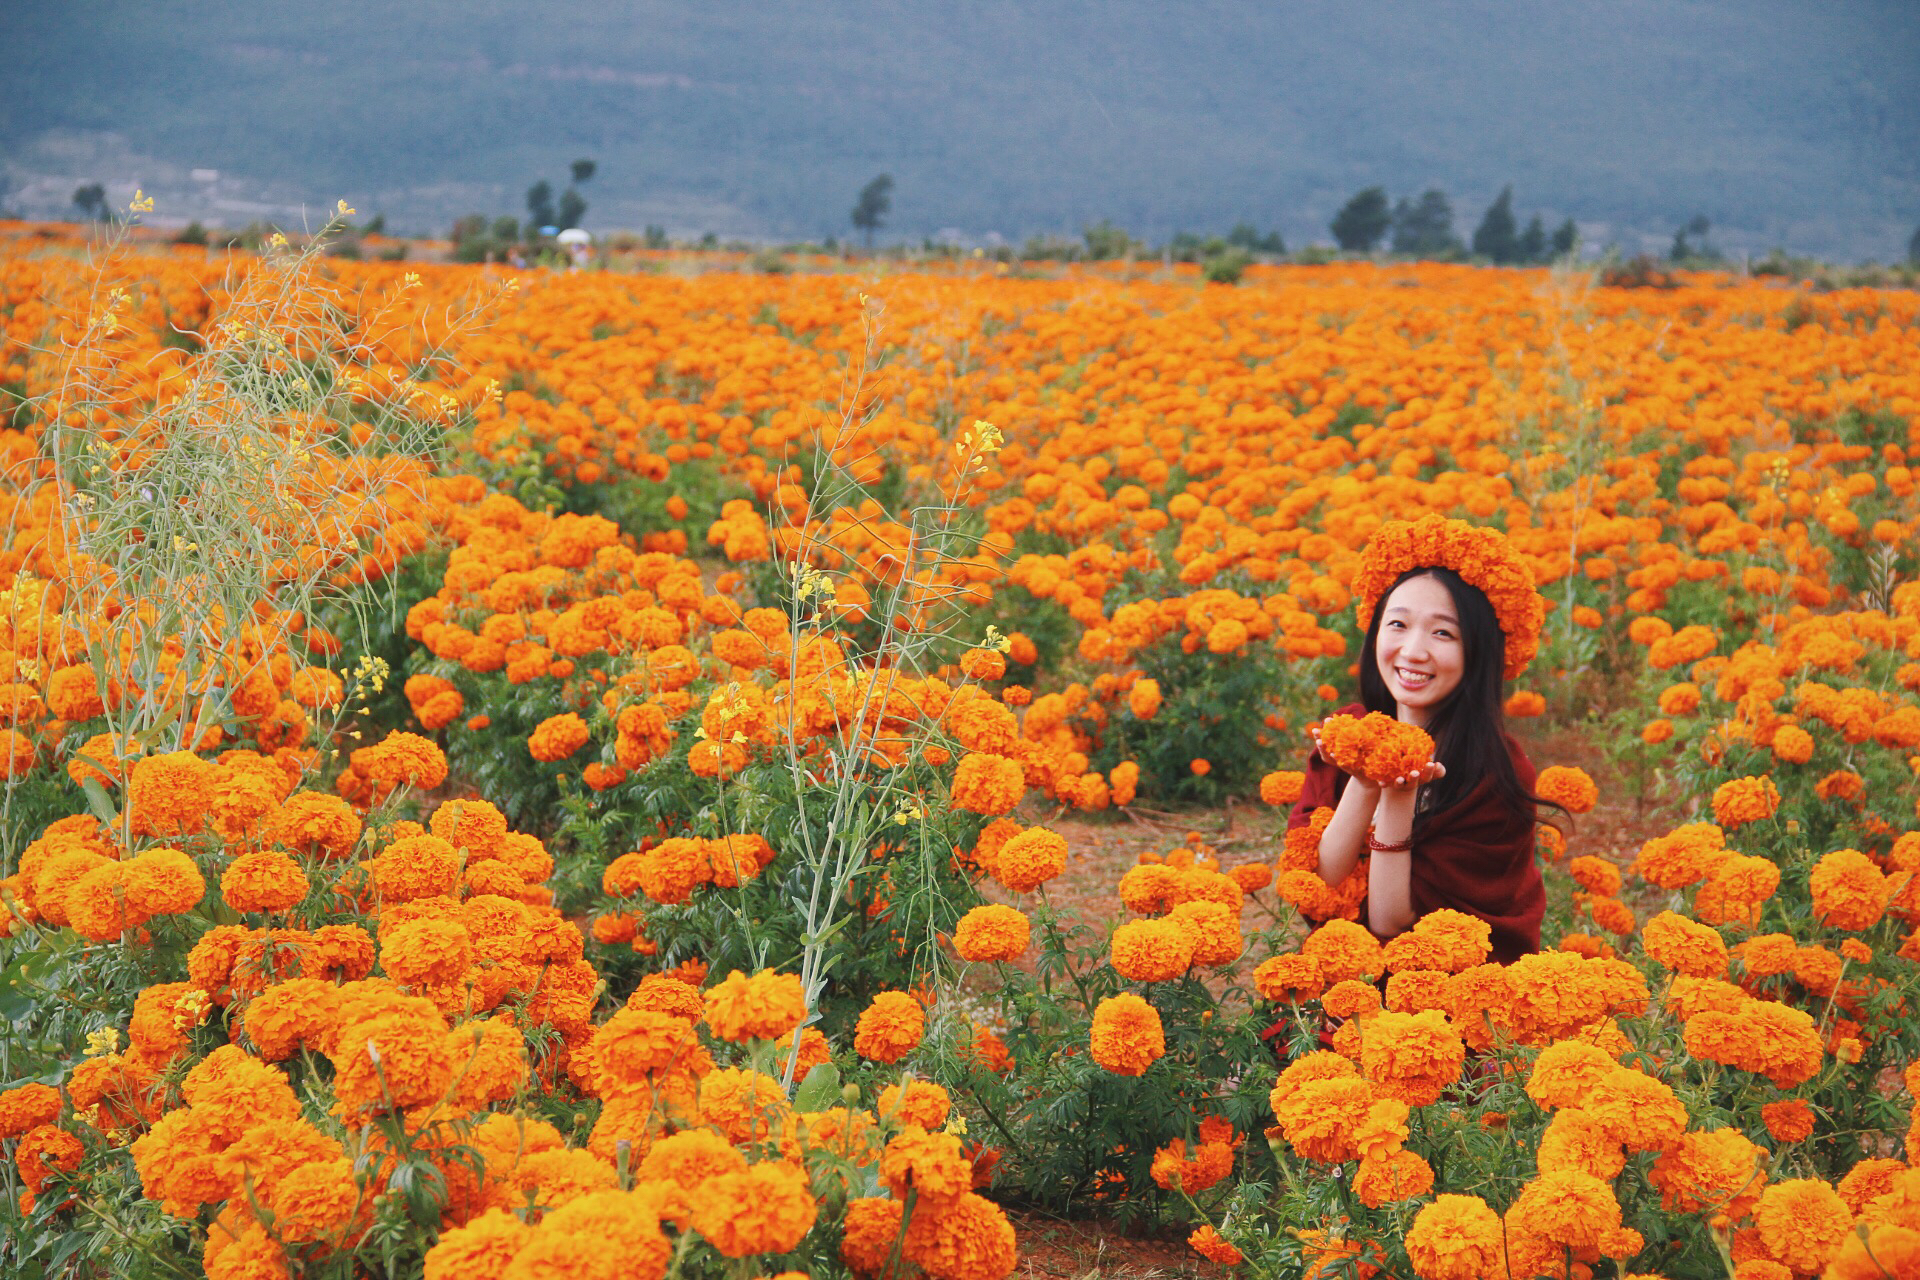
1381,846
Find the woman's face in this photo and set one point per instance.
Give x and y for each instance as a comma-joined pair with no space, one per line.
1419,650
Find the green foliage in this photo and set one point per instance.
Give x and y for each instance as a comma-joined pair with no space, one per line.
1226,267
1362,221
91,201
1690,243
1246,236
870,210
1106,241
1497,237
1423,228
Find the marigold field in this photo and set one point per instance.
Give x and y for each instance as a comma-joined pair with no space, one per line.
549,774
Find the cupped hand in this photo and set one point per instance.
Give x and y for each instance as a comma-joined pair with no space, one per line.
1431,771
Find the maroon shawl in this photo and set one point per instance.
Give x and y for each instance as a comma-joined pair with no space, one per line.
1475,856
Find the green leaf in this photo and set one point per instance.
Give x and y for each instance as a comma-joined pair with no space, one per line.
97,798
820,1090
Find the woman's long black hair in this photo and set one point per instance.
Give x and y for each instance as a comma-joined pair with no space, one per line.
1470,728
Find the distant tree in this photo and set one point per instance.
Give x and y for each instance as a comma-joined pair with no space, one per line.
540,212
656,236
1690,241
1423,228
193,233
573,207
1104,241
91,200
1361,222
1565,237
870,210
1497,235
583,171
1245,236
1533,242
1913,247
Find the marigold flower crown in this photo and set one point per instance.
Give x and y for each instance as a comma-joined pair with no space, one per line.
1481,556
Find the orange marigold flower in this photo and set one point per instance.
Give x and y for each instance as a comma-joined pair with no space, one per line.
1789,1120
27,1107
1849,891
1291,977
1792,744
1282,787
1744,800
1375,747
635,1043
921,1102
1683,856
73,693
314,825
44,1151
428,951
933,1164
764,1007
1456,1238
1685,946
1199,767
991,933
265,880
1565,1073
1559,1211
1404,1175
987,784
1126,1037
765,1209
402,759
1411,1056
1157,950
890,1028
1841,784
1143,699
983,664
1802,1222
1030,859
413,867
171,794
1214,1247
1524,704
1718,1169
1345,950
1595,875
1447,940
319,1200
1568,787
557,737
868,1234
969,1239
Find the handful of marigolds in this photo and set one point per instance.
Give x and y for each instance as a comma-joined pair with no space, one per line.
1375,747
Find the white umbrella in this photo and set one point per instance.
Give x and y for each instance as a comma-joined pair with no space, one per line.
574,235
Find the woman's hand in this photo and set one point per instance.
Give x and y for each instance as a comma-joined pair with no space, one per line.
1431,771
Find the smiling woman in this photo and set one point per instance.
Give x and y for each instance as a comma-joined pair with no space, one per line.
1449,613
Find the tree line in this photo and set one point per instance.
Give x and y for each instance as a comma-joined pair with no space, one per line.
1410,227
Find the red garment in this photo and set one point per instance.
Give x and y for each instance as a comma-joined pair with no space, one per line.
1475,856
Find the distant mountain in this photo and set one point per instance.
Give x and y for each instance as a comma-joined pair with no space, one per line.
1789,122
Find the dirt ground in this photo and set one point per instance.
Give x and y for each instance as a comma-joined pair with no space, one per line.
1054,1249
